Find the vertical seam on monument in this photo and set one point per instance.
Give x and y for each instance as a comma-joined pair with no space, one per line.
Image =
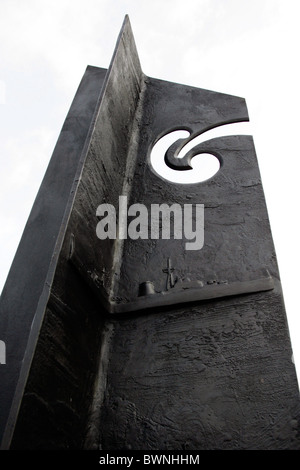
94,421
127,184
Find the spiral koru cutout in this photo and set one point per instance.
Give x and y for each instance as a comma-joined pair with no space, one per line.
175,150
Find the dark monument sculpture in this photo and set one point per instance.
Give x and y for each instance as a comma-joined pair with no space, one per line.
140,343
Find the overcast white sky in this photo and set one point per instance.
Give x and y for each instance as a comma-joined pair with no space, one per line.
248,48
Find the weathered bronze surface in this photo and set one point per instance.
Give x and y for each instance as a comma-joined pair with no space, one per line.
142,344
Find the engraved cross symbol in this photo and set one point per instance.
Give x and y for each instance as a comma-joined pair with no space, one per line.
170,279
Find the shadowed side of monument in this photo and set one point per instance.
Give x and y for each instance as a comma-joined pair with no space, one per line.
54,338
27,289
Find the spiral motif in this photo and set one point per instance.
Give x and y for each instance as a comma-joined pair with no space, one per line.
174,152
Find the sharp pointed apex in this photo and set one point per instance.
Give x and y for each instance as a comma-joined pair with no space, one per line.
126,26
126,20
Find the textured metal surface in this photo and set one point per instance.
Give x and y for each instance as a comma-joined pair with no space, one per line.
237,234
236,221
141,344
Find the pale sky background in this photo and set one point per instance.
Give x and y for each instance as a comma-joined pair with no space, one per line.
248,48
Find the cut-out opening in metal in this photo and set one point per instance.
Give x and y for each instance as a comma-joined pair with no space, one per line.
204,165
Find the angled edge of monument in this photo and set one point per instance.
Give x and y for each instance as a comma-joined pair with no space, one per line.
29,284
26,292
